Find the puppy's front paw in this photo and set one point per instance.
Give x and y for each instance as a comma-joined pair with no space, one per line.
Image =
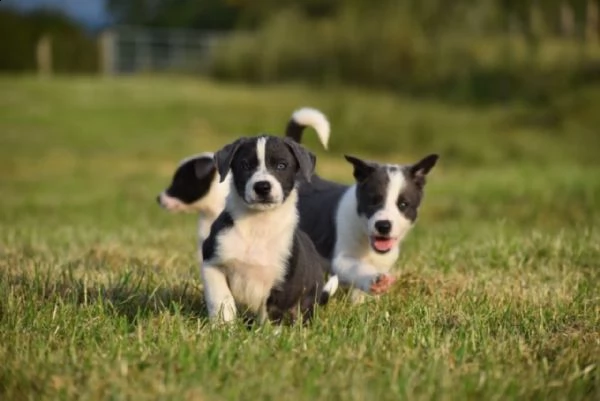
382,284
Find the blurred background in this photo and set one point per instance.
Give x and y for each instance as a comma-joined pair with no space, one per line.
473,52
478,50
507,91
101,99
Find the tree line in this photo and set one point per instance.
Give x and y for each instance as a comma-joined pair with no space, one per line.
74,50
475,49
531,17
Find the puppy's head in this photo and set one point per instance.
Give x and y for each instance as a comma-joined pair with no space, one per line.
191,183
264,169
388,198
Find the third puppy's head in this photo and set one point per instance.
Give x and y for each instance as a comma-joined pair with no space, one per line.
192,185
388,198
264,169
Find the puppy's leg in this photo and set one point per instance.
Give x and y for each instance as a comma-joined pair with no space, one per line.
357,296
361,275
217,295
263,313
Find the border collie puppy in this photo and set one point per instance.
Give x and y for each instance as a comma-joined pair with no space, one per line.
359,228
196,187
256,257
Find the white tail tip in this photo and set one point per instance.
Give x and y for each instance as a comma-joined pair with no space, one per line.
310,117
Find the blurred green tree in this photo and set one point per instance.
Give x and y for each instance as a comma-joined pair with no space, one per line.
72,49
205,14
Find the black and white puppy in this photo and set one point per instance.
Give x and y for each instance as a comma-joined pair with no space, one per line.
196,187
359,228
256,256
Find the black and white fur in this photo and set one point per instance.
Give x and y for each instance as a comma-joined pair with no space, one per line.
196,187
341,220
255,256
359,228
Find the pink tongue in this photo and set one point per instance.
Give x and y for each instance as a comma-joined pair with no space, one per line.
383,244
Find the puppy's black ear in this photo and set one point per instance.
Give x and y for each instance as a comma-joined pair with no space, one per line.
204,167
306,159
362,169
419,170
224,157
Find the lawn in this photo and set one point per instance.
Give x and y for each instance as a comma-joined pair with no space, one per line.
100,297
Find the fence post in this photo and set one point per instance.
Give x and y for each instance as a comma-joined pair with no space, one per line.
107,53
43,55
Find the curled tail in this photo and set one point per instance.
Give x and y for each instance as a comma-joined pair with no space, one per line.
308,117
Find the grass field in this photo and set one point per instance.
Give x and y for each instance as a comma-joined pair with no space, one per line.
100,297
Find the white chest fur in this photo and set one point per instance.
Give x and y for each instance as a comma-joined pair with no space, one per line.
253,253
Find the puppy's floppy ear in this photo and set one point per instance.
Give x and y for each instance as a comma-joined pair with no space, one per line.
224,157
362,169
204,167
306,159
419,170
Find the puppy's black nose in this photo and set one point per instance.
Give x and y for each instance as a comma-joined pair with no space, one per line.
262,188
383,226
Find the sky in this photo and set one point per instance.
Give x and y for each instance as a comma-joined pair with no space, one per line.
91,13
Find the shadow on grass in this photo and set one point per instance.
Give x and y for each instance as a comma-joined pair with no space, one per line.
132,295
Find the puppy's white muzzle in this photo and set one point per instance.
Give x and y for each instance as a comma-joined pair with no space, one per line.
263,192
169,203
384,238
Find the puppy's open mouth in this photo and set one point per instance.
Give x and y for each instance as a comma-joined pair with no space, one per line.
383,244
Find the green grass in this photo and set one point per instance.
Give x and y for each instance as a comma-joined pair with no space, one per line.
100,296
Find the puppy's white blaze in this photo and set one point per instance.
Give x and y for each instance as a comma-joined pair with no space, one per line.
310,117
262,174
261,150
400,224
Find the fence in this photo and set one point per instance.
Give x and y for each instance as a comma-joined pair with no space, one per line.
133,49
127,50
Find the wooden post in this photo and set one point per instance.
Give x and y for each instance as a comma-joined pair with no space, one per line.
108,54
44,56
591,26
567,19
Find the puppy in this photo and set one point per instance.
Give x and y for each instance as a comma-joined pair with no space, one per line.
339,219
196,187
255,256
360,227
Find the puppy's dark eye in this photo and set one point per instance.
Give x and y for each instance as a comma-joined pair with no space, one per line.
376,200
402,204
245,165
281,166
